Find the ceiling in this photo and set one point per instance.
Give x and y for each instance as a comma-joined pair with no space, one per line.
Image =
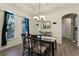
42,7
34,8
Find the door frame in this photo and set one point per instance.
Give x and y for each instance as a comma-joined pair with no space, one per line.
73,16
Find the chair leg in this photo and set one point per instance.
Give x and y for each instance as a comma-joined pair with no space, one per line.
23,52
45,53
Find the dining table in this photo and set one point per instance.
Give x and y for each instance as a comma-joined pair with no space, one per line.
47,39
51,41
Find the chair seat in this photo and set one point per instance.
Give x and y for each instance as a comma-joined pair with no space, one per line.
37,49
27,46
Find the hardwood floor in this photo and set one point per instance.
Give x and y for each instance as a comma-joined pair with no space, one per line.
65,49
68,48
13,51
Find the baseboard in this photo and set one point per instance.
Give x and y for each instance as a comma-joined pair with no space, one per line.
9,46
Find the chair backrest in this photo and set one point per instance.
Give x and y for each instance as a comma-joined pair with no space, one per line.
55,45
24,38
37,41
33,36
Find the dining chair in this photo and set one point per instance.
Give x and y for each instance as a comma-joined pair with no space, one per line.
38,47
25,43
55,47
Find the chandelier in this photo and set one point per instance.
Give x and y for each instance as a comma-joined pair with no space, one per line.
40,17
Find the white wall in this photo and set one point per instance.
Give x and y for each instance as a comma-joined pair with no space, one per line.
56,16
18,30
18,21
66,27
32,24
68,21
1,24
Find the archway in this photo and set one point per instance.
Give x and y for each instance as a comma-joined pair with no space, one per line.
69,27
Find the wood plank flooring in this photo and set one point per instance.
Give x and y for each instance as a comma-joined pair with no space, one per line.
67,48
13,51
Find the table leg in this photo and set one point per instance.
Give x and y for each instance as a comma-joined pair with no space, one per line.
52,47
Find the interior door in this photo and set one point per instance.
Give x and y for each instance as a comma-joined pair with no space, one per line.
74,29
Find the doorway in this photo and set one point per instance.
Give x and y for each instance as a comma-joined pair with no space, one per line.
69,28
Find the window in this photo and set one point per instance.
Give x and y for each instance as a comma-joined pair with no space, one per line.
10,21
25,25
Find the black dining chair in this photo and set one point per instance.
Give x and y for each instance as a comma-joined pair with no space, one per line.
25,43
55,47
38,47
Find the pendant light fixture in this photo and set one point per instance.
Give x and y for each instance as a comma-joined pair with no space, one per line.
39,17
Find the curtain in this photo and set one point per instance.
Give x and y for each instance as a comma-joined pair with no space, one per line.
4,41
8,27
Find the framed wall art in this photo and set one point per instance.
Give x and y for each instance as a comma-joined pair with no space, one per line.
46,25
